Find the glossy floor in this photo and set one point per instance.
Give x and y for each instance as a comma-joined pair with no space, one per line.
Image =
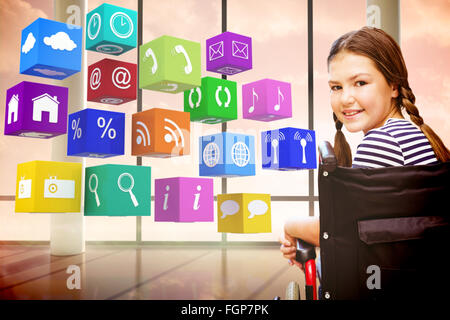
125,272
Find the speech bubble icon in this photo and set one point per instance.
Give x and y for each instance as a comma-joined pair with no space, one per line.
228,208
257,208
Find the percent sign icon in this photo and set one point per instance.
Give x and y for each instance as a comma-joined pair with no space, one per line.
77,130
101,123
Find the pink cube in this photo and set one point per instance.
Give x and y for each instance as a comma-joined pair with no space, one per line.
266,100
184,199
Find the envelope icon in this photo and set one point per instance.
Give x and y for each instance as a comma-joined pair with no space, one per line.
216,51
240,50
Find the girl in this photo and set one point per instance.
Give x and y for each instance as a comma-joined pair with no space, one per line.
369,90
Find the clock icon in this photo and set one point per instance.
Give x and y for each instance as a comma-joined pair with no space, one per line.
94,25
121,25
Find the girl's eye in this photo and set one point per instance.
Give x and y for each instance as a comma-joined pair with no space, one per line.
335,88
360,83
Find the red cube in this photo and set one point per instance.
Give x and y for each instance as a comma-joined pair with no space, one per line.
112,82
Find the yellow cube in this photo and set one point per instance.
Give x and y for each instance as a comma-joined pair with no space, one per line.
244,213
48,186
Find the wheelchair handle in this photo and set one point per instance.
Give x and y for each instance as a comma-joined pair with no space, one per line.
305,252
327,157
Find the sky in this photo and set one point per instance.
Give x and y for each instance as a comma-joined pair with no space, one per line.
279,34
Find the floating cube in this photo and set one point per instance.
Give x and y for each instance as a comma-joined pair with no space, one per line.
36,110
244,213
266,100
111,29
229,53
48,186
215,101
184,199
169,64
160,133
51,49
117,190
112,82
288,149
227,154
96,133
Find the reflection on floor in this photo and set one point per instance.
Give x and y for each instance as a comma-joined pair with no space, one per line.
125,272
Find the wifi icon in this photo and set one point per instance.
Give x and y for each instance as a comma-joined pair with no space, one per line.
288,149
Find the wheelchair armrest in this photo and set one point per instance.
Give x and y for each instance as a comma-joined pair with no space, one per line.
327,157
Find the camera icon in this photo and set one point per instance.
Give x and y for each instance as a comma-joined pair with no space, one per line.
56,188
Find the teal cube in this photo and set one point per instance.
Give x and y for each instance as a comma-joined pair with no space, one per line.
111,29
117,190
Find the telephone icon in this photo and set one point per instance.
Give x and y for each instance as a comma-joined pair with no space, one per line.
180,49
150,53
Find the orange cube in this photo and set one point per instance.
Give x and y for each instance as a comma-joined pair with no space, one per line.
160,133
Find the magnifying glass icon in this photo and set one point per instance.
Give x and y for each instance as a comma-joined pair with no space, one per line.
94,190
123,189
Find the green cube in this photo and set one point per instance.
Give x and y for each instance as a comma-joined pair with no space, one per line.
169,64
214,102
117,190
111,29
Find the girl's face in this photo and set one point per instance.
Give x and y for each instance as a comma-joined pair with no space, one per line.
361,98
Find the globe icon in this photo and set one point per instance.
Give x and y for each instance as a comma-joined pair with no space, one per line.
211,154
240,154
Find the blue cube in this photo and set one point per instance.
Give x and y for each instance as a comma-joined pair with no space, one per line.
96,133
227,154
51,49
111,29
288,149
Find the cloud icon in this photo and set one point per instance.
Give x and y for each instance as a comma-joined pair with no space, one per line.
49,72
60,41
29,43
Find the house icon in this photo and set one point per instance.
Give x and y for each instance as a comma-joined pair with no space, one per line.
46,103
13,108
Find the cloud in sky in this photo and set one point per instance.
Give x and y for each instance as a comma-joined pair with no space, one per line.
15,15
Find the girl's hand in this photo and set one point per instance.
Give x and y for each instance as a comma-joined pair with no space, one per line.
288,248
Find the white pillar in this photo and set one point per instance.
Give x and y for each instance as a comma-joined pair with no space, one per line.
67,230
384,14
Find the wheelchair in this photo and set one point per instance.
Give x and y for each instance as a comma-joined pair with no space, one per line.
384,233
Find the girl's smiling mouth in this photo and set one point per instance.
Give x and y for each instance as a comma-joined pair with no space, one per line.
350,113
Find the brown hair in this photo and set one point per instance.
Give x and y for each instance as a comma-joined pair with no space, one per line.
382,49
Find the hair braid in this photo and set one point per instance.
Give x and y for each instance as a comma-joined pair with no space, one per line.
407,101
341,147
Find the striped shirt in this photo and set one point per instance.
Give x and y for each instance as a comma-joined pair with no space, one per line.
397,143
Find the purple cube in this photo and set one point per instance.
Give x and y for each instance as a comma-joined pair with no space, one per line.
229,53
266,100
36,110
184,199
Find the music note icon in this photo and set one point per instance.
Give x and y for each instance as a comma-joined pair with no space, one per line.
252,107
277,106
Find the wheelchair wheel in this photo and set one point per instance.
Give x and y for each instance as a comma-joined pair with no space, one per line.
293,291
